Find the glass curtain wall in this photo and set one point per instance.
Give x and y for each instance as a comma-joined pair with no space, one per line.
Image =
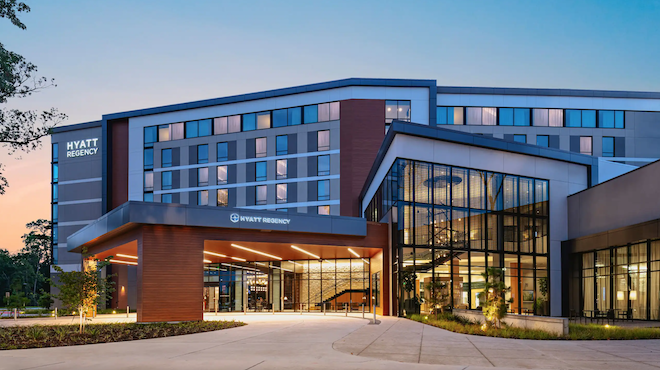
622,282
453,223
306,285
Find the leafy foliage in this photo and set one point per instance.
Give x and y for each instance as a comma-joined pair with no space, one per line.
84,290
26,272
494,306
21,130
37,336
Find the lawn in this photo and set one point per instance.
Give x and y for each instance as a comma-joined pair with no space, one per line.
576,331
37,336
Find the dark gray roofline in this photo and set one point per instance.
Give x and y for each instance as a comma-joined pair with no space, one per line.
548,92
431,84
77,126
453,136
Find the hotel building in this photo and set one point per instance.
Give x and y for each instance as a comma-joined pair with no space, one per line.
368,192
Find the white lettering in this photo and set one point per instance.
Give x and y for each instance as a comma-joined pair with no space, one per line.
81,148
265,220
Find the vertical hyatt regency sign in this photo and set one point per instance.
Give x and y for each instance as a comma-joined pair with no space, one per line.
82,148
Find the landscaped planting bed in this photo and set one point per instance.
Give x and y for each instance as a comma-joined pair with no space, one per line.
457,324
37,336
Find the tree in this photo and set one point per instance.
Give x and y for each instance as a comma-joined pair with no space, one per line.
438,295
494,306
16,300
36,254
84,290
21,130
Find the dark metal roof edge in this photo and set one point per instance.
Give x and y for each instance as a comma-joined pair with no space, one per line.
459,137
76,126
548,92
274,93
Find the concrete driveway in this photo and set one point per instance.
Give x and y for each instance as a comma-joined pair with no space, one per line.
334,342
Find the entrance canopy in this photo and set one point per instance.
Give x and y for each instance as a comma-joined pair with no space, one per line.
170,245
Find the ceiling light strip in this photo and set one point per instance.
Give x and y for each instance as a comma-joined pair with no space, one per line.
354,253
124,262
255,251
126,256
307,253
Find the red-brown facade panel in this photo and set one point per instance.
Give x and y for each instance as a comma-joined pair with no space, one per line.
362,131
119,162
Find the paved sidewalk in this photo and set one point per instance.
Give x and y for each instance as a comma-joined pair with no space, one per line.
410,341
313,341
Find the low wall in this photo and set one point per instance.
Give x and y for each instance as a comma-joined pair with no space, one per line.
555,325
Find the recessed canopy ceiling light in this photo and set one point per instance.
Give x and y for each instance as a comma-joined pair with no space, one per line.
207,261
126,256
239,259
307,253
354,253
254,251
215,254
124,262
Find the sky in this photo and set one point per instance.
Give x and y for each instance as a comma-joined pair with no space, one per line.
114,56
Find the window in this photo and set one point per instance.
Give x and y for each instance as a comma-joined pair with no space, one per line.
192,129
148,197
177,131
203,198
482,116
165,180
311,114
281,193
263,120
520,138
506,116
282,145
233,124
203,176
55,235
260,171
295,116
148,181
323,187
555,117
397,110
279,118
261,194
521,117
543,140
223,197
323,165
166,158
540,117
282,170
166,198
222,175
249,122
260,147
55,153
573,118
202,153
586,145
149,158
55,193
56,172
323,140
608,146
220,125
610,119
589,118
334,111
150,136
324,112
323,210
164,133
55,213
223,152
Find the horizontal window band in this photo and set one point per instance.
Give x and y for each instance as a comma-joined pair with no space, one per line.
244,184
75,223
247,160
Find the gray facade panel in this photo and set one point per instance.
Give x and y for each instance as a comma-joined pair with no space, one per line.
80,191
292,142
619,146
250,172
292,192
575,144
553,141
250,195
312,141
292,168
250,148
176,156
312,191
231,150
312,166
